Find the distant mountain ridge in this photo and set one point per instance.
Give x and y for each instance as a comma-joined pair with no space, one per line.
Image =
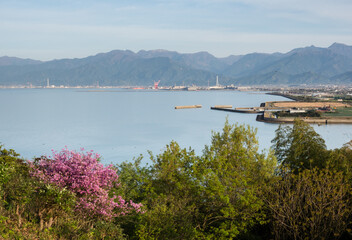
308,65
11,61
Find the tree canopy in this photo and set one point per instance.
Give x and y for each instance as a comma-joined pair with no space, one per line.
297,190
299,147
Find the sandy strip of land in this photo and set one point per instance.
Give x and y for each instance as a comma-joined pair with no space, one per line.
309,104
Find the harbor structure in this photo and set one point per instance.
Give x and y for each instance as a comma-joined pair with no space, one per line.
188,106
156,84
217,85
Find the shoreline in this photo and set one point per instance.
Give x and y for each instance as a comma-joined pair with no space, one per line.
284,95
266,110
311,120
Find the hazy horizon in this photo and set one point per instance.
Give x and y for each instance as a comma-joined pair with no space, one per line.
46,30
169,50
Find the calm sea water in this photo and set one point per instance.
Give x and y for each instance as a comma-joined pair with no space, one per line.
122,124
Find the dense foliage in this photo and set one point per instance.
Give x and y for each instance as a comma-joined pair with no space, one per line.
299,147
313,204
67,196
299,190
215,196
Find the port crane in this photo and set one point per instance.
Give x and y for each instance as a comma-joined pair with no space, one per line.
156,84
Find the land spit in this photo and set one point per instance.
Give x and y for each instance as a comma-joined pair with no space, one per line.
268,112
294,104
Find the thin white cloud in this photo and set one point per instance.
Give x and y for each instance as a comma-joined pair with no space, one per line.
88,40
222,27
334,10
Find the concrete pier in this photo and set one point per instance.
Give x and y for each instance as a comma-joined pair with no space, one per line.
223,106
189,106
239,110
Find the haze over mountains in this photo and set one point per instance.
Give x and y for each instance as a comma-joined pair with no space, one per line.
309,65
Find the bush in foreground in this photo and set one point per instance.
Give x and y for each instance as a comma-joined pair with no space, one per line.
91,182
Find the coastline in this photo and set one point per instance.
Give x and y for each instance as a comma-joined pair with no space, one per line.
266,110
319,121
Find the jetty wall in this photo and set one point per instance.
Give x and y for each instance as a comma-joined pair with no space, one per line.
189,106
321,120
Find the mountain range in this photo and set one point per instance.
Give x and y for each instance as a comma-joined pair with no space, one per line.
308,65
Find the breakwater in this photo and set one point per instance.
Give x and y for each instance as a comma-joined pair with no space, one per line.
188,106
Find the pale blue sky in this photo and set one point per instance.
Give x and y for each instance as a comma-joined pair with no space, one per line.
53,29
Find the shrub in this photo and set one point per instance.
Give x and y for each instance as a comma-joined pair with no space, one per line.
91,182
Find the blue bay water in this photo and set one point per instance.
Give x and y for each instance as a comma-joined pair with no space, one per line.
122,124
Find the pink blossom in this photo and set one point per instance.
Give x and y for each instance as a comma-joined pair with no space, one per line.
82,174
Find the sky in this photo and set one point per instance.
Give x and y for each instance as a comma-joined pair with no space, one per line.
55,29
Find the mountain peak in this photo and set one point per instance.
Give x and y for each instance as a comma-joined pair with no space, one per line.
341,49
157,53
336,44
160,50
306,50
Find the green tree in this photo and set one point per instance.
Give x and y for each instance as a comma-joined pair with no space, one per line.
29,206
300,147
213,196
171,196
313,204
232,177
340,159
16,188
134,184
32,209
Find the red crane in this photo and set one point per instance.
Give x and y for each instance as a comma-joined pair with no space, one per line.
156,84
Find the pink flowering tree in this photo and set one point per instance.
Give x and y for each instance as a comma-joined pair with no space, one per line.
91,182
